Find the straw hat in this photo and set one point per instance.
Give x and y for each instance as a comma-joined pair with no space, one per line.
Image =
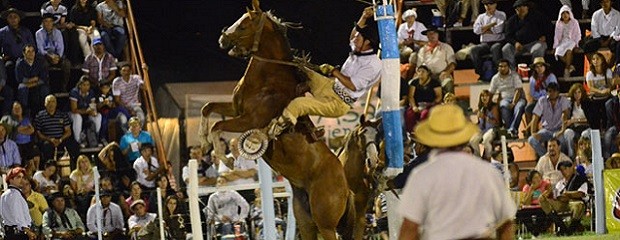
446,126
539,60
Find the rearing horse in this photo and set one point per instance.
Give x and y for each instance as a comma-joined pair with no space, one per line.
322,200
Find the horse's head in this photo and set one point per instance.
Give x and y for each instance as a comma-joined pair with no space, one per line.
244,36
367,135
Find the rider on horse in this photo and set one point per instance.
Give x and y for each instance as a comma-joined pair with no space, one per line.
359,73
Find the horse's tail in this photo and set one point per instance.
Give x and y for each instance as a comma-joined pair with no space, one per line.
346,225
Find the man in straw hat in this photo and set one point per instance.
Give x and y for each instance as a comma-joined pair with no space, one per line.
435,205
14,208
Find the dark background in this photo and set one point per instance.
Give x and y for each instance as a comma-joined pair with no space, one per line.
179,38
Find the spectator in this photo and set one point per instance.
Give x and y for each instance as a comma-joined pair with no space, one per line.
61,222
511,100
84,115
488,122
207,167
126,89
111,218
599,81
162,184
83,20
14,208
531,193
13,38
540,78
133,140
51,46
244,171
39,204
9,152
577,125
421,152
147,167
568,195
613,162
447,131
225,208
118,197
54,131
490,27
410,33
548,163
135,195
550,112
20,130
110,110
33,78
47,178
566,38
604,25
100,66
57,11
139,219
439,58
424,92
464,6
83,183
525,32
111,14
113,164
174,219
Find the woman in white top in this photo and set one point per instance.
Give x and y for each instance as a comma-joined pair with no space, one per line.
410,31
47,178
577,124
599,80
566,38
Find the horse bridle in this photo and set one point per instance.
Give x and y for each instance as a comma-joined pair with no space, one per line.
258,33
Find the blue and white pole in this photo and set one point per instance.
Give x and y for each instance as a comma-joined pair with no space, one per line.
390,85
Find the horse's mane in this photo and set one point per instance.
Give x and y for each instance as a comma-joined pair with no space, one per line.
281,26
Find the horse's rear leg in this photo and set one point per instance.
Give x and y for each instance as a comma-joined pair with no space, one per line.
305,224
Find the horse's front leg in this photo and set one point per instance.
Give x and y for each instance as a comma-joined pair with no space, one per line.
223,108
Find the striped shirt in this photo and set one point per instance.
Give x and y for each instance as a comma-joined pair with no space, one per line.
58,13
52,125
128,90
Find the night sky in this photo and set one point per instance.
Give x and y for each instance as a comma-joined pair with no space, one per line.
179,38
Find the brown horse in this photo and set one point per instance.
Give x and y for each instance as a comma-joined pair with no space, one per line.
363,160
322,200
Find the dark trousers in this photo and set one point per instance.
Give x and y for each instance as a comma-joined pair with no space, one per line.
48,150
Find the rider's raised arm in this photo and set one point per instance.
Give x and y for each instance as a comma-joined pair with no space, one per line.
367,13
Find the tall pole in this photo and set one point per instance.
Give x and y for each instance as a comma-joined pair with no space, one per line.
599,187
390,83
99,207
192,193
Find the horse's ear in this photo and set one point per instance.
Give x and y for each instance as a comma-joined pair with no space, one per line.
362,119
249,12
256,5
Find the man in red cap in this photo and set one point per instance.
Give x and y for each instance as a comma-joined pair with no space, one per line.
14,208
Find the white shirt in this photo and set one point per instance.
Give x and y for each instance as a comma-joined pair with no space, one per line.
109,15
364,72
43,182
14,209
226,203
497,32
135,221
438,59
470,203
505,85
604,25
210,172
548,170
128,91
112,218
416,28
561,186
140,165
